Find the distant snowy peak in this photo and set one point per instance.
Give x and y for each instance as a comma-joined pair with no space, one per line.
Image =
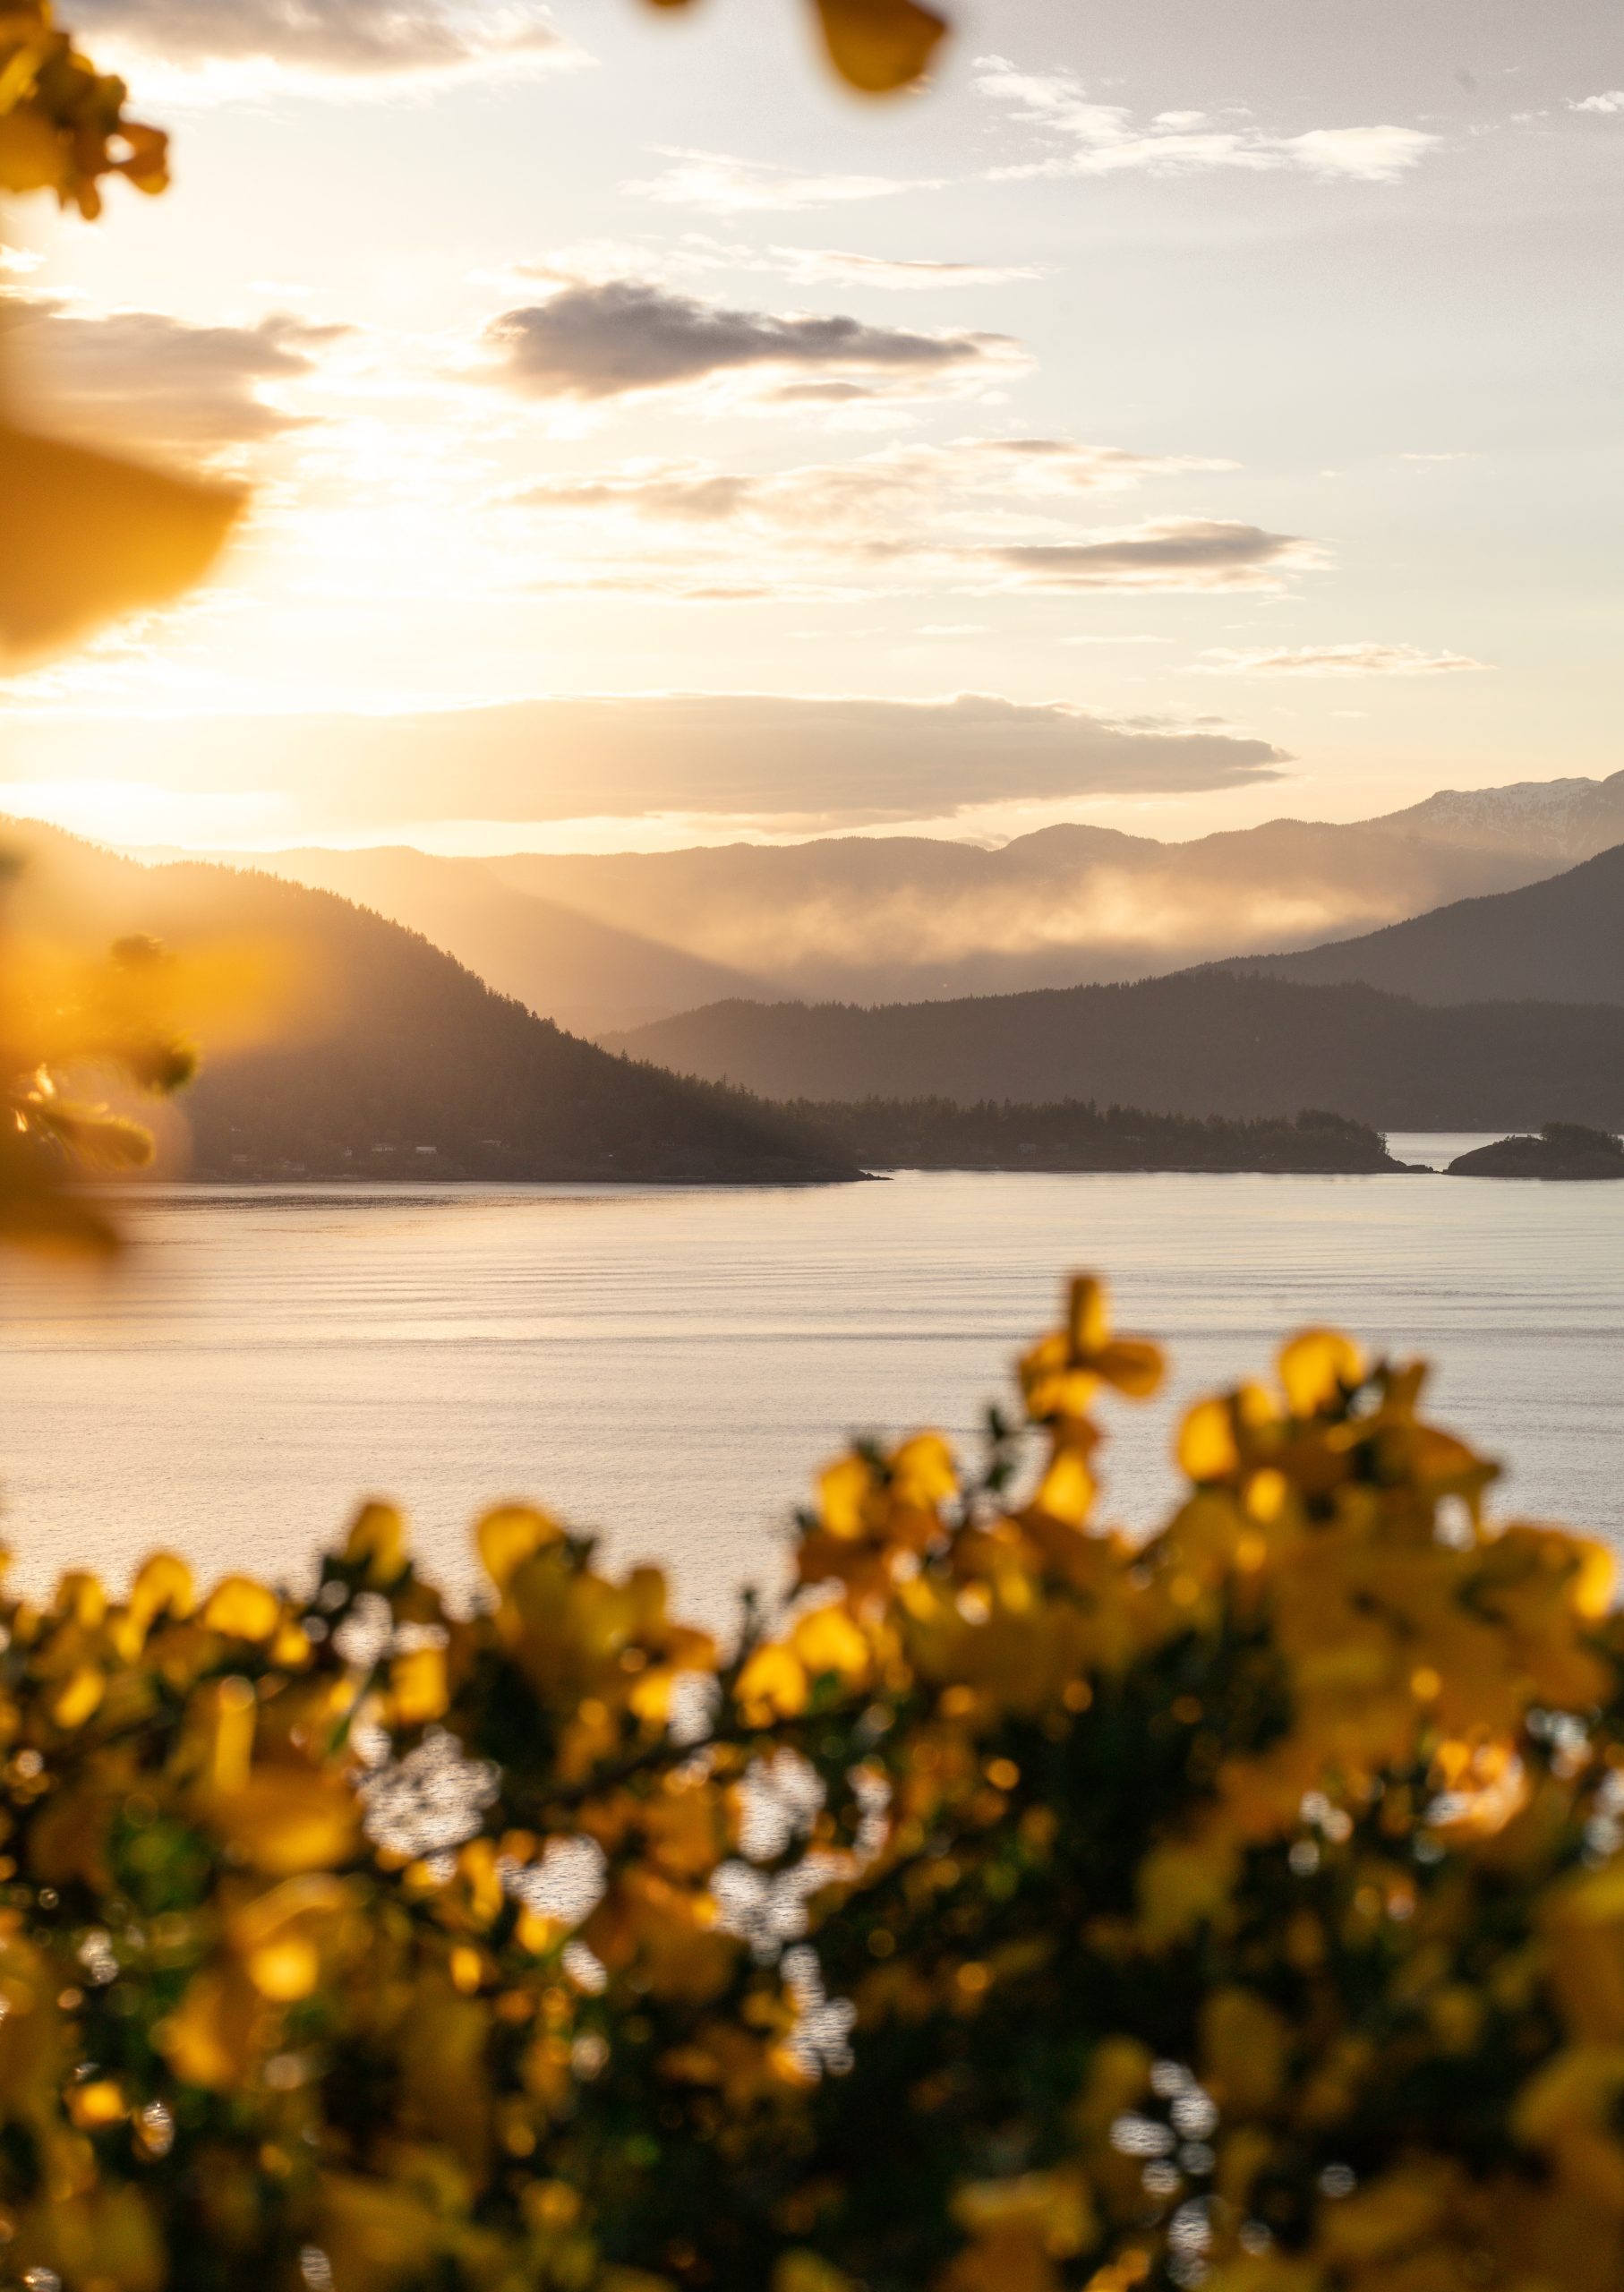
1571,819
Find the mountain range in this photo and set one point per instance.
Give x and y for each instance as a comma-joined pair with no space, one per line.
1496,1010
1499,1011
605,942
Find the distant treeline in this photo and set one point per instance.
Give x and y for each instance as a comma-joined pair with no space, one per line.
1076,1134
1198,1043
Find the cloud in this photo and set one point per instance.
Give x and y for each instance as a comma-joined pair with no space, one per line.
876,492
1334,661
696,254
148,380
817,266
342,40
1098,139
1611,100
671,492
1362,154
968,517
613,337
720,186
1169,553
730,756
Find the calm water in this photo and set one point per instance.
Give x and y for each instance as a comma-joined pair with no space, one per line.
671,1365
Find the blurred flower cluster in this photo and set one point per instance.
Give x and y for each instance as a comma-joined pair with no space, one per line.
63,124
1030,1907
63,1014
81,1022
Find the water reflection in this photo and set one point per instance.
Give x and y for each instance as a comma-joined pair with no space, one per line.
673,1362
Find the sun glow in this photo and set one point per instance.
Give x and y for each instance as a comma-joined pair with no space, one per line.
140,812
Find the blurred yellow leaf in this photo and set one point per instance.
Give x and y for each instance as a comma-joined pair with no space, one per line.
90,537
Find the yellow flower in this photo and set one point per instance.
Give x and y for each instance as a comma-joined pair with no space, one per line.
78,1697
508,1537
241,1609
100,2103
1062,1374
418,1688
376,1543
773,1685
828,1641
283,1821
1316,1368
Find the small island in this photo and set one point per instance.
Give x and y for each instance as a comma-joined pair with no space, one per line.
1561,1149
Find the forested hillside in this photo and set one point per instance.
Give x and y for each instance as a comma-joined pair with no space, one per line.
396,1062
425,1072
1199,1043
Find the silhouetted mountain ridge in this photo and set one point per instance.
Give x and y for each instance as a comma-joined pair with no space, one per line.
1205,1042
1560,941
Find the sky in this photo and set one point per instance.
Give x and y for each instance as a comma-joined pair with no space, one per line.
1174,415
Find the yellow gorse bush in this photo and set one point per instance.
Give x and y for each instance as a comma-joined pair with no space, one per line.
1034,1907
